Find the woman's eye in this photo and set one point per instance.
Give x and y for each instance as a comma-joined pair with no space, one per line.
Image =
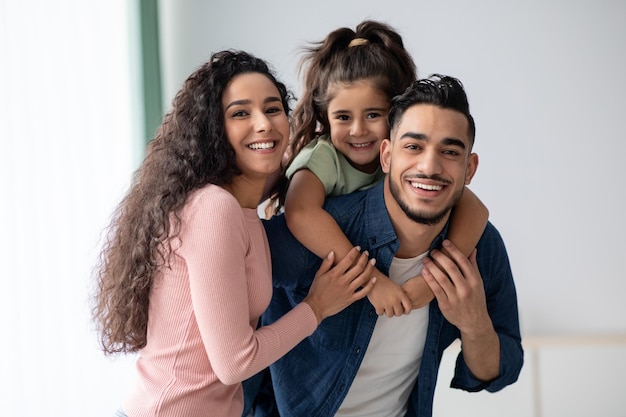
274,110
239,113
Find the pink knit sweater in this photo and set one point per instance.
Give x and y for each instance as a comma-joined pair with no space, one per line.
204,308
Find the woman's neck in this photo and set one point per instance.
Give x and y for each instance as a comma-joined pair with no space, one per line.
247,192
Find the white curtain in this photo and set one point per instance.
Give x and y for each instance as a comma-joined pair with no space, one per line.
70,137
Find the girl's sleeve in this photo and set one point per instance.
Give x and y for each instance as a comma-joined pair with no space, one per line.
215,243
322,161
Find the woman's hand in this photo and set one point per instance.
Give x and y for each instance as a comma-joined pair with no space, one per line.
335,288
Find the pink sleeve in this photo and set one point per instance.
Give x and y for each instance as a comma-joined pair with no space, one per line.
215,243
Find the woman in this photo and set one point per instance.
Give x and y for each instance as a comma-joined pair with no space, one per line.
186,273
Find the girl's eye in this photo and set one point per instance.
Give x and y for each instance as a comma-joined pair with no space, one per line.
373,115
343,117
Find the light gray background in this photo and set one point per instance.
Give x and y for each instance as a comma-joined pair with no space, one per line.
546,86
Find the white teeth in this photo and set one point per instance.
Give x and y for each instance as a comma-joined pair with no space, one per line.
261,145
361,145
427,187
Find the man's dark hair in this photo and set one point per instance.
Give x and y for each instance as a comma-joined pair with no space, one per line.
440,90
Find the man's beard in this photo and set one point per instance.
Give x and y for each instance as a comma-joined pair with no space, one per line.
422,217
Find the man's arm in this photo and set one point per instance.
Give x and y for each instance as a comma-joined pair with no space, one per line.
460,293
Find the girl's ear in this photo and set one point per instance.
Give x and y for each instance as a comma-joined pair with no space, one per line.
385,155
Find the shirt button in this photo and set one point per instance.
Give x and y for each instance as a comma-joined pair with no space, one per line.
358,350
342,387
371,313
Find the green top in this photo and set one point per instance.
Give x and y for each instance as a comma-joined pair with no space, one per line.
332,168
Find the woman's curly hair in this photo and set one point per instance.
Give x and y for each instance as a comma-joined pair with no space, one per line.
189,151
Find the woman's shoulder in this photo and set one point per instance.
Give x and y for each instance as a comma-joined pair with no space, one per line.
212,198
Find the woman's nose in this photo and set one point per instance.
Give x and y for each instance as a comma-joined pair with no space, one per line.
262,123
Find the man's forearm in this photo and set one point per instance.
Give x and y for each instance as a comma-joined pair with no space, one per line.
481,352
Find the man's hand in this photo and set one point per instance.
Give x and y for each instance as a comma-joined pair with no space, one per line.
458,286
460,292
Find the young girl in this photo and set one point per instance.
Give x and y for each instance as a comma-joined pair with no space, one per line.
186,271
338,126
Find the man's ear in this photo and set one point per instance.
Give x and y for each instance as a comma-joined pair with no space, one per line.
385,155
472,165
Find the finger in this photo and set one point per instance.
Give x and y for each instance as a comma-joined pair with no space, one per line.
429,278
407,306
361,271
398,309
364,290
327,263
436,279
365,280
447,267
456,255
468,267
346,262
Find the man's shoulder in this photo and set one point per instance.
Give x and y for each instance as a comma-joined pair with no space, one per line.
491,237
348,205
492,255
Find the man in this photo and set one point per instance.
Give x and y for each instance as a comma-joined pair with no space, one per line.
359,364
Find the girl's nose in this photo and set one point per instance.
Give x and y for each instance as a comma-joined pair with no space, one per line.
358,128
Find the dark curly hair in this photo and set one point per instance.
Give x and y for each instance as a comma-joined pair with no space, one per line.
374,51
189,151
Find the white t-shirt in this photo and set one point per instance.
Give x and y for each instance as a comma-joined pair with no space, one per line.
389,369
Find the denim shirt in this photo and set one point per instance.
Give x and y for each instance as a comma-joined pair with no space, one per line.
314,378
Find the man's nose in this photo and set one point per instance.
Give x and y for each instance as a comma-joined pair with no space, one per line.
429,162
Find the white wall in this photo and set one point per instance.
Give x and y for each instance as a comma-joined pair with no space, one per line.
70,136
547,87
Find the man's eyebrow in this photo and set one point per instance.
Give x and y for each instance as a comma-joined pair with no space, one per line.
445,141
413,135
242,102
453,142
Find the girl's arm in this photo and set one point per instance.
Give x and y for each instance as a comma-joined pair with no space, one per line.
318,231
467,224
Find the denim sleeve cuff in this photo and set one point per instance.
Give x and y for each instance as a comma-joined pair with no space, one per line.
511,361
